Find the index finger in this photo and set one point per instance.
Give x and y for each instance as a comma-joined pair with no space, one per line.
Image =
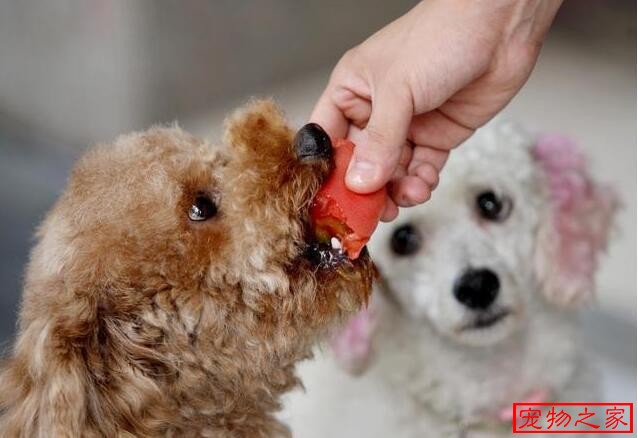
328,115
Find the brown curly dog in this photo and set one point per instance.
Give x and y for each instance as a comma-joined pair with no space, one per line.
174,287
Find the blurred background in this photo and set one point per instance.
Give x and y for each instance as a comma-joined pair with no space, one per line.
76,73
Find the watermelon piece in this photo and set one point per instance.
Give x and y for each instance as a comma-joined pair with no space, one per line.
337,212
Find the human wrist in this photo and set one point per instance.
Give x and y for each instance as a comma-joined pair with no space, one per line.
532,19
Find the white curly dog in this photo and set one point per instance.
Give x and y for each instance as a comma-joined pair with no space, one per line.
479,306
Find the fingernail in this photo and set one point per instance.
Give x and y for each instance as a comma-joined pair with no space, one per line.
361,173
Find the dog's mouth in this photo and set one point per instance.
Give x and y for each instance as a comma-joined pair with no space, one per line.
329,255
486,320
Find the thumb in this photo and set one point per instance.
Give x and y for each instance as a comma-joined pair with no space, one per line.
379,148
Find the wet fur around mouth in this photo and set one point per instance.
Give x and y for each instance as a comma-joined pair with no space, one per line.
324,256
137,321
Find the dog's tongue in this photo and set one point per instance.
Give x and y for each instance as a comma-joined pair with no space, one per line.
341,217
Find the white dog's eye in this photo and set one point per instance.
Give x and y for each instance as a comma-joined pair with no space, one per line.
203,208
492,207
406,240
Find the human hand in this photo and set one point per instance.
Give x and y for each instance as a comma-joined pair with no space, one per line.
423,84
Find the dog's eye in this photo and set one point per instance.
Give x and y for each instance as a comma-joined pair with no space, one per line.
406,240
203,208
492,207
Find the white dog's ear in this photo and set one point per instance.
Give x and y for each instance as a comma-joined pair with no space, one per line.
352,345
576,225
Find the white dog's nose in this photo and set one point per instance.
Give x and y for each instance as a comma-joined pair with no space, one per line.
477,289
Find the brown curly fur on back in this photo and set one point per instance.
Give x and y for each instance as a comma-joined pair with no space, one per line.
136,321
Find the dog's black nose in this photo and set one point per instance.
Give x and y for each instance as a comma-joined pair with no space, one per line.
311,142
477,288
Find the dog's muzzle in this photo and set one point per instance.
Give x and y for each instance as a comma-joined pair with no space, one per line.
312,143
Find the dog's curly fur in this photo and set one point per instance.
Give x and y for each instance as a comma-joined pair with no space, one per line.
136,321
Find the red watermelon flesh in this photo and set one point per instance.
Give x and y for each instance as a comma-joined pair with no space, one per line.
341,213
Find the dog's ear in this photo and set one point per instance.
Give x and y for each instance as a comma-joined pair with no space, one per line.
352,345
42,386
575,227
